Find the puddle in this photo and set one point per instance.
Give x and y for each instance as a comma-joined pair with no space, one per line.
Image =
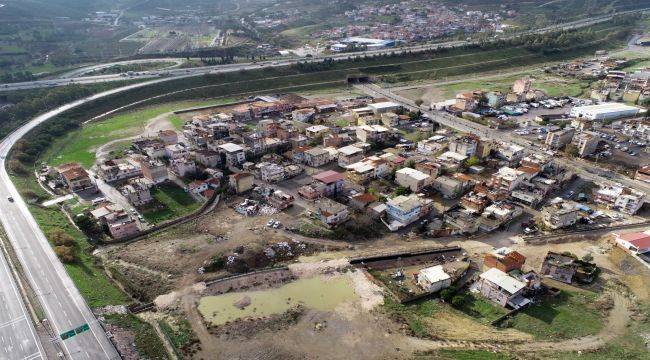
315,293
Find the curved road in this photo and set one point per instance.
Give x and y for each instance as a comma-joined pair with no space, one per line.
282,62
65,308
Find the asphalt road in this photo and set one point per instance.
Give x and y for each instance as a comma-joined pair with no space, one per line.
79,79
18,339
65,308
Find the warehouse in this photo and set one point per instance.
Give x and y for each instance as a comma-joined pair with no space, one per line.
605,111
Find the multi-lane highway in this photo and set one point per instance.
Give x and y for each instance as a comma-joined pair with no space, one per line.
64,307
18,339
78,76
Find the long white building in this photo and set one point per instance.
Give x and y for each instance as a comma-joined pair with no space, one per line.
604,111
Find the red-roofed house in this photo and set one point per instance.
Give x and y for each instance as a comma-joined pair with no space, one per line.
637,242
331,180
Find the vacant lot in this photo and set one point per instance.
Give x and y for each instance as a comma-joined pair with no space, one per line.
569,315
81,145
170,201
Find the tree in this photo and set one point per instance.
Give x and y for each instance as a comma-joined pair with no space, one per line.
588,257
472,161
59,237
400,190
447,294
419,102
458,300
410,164
67,254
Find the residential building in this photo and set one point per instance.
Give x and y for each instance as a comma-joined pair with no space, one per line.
176,151
636,243
501,288
512,153
432,145
412,179
235,154
474,202
498,214
390,119
75,177
507,179
559,138
116,170
317,157
280,200
559,267
137,191
349,155
433,279
182,166
643,174
465,145
207,158
197,186
362,201
168,137
430,168
241,182
332,213
271,172
448,187
317,131
586,143
330,181
560,215
623,199
372,167
504,259
121,225
154,170
403,210
372,133
451,161
462,222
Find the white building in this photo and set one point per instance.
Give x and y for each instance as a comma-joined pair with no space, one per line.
604,111
412,179
620,198
235,154
348,155
434,279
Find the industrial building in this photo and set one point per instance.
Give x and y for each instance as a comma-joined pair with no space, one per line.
604,111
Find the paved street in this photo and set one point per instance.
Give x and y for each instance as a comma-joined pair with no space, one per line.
18,339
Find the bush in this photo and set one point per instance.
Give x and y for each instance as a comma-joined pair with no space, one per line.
458,300
67,254
58,237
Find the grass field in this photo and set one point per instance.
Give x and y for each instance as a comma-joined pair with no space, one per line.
480,309
80,146
566,316
174,202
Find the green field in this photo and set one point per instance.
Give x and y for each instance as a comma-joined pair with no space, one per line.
566,316
173,201
481,309
449,354
80,146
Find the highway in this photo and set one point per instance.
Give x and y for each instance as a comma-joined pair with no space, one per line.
77,76
64,307
18,339
581,167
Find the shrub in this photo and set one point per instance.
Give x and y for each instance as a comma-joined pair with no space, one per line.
67,254
58,237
